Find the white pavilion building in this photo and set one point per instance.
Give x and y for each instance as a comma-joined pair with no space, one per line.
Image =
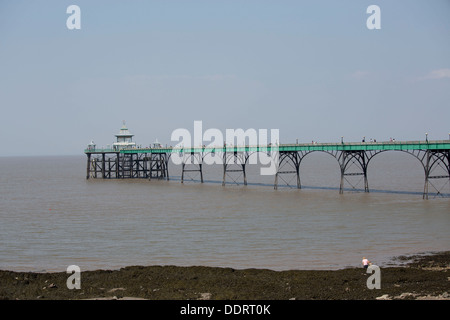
124,139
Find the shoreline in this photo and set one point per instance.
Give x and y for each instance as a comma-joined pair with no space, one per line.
421,277
383,261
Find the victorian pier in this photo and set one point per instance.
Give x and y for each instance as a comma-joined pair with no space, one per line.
125,160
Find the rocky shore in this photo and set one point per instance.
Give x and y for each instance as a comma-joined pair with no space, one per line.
421,277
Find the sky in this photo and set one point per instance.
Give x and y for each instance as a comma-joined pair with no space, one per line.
311,69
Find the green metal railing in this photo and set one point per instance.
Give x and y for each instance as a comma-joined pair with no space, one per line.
356,146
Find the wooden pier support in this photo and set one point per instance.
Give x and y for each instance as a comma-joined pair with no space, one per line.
157,166
88,166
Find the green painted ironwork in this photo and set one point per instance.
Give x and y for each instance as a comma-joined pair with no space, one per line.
356,146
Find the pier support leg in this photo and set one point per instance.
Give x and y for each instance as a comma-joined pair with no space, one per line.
132,165
88,166
224,171
157,166
353,163
95,165
166,162
201,173
103,166
192,162
289,164
117,165
182,171
437,168
234,161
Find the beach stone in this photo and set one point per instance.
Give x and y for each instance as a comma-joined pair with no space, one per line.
205,296
116,289
405,295
430,297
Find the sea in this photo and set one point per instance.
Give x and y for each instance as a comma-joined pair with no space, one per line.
52,217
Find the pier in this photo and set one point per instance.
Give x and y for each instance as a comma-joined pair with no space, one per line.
125,160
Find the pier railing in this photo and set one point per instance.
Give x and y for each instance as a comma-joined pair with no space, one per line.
344,146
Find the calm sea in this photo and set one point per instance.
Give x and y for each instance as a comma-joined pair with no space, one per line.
52,217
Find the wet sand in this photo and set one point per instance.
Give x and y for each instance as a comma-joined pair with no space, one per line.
421,277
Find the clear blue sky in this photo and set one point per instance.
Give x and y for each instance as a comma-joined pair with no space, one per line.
311,69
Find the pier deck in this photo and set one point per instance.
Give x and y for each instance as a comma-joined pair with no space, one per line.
350,146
